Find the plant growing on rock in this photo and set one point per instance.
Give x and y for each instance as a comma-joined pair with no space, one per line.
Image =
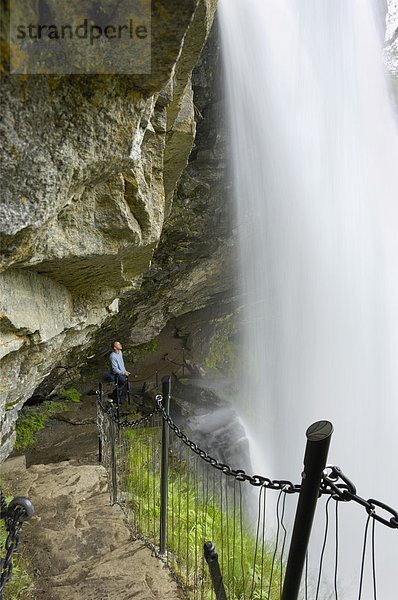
197,512
71,394
222,348
32,420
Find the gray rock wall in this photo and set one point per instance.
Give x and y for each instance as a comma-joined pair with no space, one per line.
88,165
191,283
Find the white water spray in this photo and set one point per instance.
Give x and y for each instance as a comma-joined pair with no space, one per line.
315,154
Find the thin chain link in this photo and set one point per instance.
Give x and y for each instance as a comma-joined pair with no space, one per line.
14,515
334,482
239,474
346,491
3,505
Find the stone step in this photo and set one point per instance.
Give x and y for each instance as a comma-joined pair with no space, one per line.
79,545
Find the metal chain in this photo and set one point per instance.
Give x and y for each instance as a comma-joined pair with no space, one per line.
128,424
12,541
3,505
173,362
333,483
158,371
19,510
346,491
238,474
110,410
103,407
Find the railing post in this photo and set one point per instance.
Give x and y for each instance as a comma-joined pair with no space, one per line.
166,393
211,557
117,399
99,409
112,435
128,391
316,452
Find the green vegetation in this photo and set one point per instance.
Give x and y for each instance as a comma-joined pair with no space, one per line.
21,582
202,506
135,354
222,350
34,418
71,395
31,420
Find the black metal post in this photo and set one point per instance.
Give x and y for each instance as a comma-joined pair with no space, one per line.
318,440
112,434
211,557
99,409
128,391
117,399
166,393
99,448
183,362
157,378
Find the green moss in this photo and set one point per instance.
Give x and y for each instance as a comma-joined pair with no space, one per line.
71,395
135,354
32,420
11,404
222,349
115,322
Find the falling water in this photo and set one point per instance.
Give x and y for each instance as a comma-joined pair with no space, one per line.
315,152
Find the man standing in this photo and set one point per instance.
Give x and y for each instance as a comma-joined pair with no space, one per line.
119,370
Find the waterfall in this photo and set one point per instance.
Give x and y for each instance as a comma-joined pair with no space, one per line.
314,151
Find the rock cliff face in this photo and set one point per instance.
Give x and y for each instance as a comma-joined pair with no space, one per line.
193,265
90,165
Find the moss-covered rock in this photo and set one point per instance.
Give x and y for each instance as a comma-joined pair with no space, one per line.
223,347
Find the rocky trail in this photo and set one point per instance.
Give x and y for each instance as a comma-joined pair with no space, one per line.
79,546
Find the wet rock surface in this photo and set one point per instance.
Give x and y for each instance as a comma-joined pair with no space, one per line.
69,435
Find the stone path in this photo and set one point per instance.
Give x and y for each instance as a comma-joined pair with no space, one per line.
80,546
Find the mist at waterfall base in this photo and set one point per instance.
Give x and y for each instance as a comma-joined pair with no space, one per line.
314,151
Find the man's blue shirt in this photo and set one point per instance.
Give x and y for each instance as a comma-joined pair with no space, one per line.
117,363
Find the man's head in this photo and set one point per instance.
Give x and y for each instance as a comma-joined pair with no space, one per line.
117,346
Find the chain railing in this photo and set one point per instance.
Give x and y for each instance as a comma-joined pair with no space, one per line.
14,515
178,497
333,482
182,366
